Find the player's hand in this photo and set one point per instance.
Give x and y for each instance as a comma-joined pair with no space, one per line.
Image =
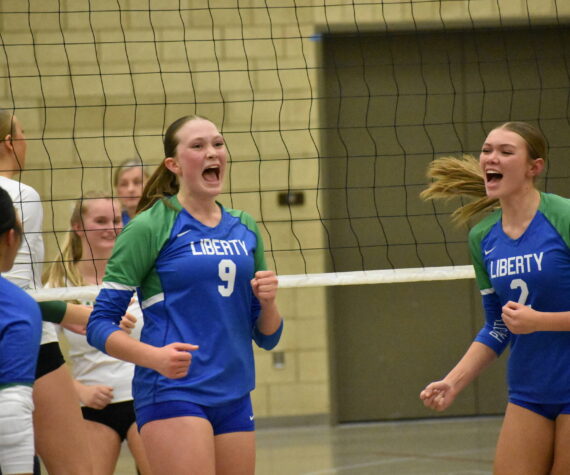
128,322
520,319
173,360
438,395
264,286
97,396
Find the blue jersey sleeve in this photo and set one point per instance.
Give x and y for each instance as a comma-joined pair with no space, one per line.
494,333
130,268
19,346
110,306
20,334
267,342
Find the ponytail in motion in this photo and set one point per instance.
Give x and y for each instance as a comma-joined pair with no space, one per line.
462,176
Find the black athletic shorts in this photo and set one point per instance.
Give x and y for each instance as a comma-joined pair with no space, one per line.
119,416
49,359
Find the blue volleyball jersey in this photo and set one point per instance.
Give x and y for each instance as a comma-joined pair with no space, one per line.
533,270
20,334
193,282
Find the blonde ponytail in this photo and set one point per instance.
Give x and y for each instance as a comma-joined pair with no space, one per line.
459,177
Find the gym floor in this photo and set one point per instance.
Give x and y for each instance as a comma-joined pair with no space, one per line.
427,447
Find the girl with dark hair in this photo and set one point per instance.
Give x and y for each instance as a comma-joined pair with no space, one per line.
200,274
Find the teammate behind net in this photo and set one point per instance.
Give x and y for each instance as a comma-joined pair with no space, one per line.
103,383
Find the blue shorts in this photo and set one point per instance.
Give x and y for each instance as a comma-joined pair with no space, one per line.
235,416
550,411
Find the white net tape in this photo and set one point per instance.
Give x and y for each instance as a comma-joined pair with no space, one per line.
385,276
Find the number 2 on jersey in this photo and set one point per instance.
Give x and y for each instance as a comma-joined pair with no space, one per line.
227,273
520,284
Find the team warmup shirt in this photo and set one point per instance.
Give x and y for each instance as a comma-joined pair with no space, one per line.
533,270
194,285
27,269
20,333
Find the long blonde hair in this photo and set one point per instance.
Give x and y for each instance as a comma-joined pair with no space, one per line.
462,176
64,271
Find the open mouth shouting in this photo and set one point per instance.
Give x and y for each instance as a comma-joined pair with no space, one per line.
493,176
212,173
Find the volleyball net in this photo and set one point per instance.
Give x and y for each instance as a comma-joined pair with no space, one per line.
331,112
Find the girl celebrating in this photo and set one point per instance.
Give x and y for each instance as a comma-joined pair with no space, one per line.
201,278
521,257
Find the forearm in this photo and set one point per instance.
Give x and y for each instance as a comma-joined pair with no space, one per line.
76,314
120,345
269,319
477,358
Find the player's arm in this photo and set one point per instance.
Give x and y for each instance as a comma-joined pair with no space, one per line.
269,324
172,361
103,332
96,396
133,257
494,334
489,343
75,317
522,319
439,395
264,286
58,311
19,346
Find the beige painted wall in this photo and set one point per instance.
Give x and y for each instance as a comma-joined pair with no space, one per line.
93,88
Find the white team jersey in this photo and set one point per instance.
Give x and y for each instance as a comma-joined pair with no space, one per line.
27,270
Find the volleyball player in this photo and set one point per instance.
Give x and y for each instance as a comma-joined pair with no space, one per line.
521,257
199,270
129,181
20,333
60,438
103,383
